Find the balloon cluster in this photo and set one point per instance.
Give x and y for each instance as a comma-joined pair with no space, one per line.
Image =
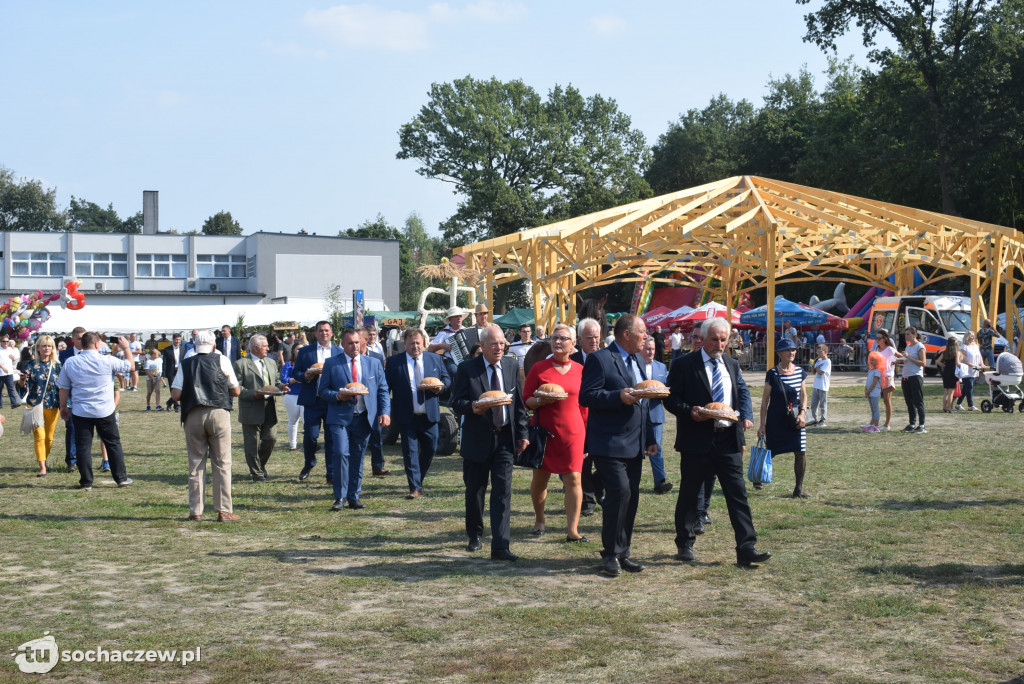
21,316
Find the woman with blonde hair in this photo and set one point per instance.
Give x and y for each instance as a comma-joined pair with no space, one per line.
970,362
566,422
42,389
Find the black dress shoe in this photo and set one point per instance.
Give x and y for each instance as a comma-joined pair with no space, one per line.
663,487
686,554
504,554
698,527
474,545
304,473
356,504
338,505
752,556
611,566
630,565
704,519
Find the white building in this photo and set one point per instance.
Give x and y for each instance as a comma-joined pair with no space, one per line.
165,282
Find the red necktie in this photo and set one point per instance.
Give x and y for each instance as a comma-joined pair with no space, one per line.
355,372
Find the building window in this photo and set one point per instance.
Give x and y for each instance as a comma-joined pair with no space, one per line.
101,265
251,266
39,264
161,265
220,265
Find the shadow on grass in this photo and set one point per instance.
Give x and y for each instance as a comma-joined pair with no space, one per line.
953,573
944,504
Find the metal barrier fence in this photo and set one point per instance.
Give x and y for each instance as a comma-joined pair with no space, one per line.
852,358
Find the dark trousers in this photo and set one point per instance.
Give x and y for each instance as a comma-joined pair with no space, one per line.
593,488
913,394
497,467
704,494
359,434
70,451
728,466
313,417
419,443
621,478
107,430
376,448
12,393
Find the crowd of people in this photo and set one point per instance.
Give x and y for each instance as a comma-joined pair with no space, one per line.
598,431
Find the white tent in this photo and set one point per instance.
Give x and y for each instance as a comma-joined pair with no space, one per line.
117,319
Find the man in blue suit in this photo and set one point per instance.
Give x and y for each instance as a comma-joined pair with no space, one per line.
656,370
416,412
619,433
314,409
349,417
376,438
227,344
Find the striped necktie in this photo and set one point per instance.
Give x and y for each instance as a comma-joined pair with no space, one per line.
717,389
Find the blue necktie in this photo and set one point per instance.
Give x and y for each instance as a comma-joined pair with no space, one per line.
717,389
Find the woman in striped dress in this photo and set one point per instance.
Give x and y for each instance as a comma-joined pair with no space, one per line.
784,386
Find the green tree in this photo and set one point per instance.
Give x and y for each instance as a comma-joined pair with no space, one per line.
518,160
89,217
934,42
703,146
26,205
221,223
133,224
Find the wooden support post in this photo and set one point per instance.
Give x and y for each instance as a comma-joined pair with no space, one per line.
976,303
994,278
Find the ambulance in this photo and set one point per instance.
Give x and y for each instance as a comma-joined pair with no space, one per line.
936,317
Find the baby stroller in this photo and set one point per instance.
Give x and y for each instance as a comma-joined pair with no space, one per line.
1003,391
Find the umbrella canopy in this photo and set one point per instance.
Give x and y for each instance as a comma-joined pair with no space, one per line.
672,318
655,316
515,318
798,315
709,310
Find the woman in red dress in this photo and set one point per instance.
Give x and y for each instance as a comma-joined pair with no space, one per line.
566,422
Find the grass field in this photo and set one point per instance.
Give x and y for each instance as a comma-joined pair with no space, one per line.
905,565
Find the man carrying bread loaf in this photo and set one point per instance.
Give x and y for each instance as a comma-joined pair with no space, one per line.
712,405
260,379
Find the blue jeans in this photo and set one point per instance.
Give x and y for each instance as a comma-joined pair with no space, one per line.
966,392
8,380
658,459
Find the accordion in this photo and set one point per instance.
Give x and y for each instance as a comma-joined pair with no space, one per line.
462,342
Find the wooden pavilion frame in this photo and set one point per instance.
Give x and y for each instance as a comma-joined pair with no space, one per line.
746,233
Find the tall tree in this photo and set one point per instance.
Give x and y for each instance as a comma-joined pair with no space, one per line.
221,223
933,40
518,160
89,217
26,205
703,146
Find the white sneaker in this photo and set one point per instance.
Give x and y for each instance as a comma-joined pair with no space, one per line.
883,427
973,408
959,407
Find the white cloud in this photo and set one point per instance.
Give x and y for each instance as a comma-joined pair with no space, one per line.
290,49
607,25
367,26
361,26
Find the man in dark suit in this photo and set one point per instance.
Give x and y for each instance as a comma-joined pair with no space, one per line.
619,433
489,436
314,409
376,438
711,446
414,411
227,344
655,370
172,359
349,417
588,334
70,452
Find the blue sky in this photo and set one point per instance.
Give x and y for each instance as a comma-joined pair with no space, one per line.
287,114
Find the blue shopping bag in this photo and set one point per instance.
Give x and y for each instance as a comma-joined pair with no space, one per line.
760,469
